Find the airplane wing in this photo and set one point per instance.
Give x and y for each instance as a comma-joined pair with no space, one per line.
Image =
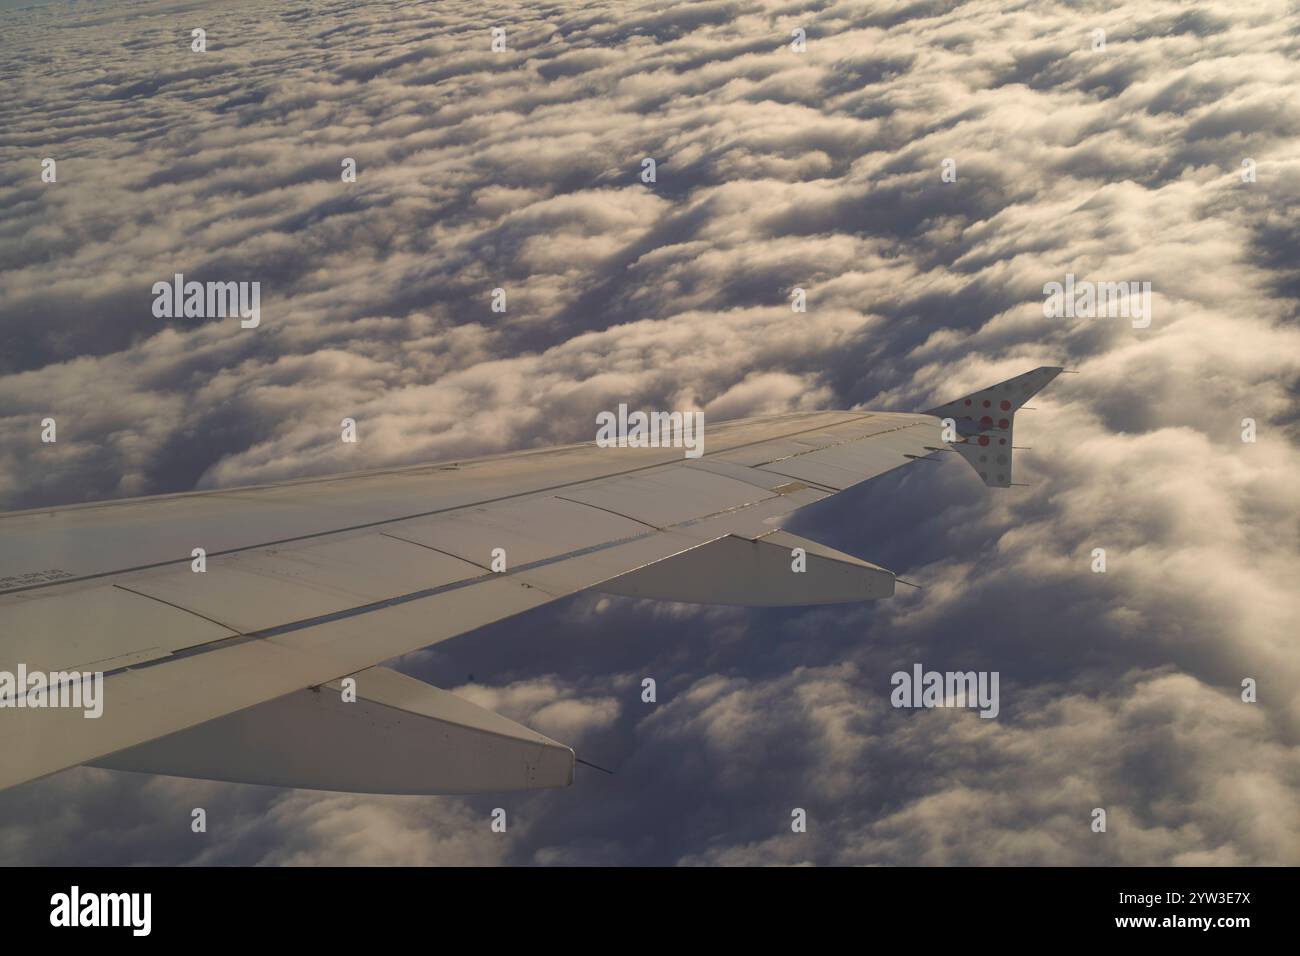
263,666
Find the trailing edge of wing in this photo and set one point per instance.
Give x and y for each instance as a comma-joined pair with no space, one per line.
400,735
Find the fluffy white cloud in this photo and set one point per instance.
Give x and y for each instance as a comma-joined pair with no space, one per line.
775,169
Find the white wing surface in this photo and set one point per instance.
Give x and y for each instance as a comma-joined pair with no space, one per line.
234,673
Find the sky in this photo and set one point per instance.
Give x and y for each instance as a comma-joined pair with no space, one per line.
823,169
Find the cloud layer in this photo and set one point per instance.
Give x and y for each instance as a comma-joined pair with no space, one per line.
775,169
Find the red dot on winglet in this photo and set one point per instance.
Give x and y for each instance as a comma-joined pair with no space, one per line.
1005,405
986,421
986,403
1003,423
984,439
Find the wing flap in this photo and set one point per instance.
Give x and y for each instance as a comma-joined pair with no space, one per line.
666,496
85,627
251,591
531,529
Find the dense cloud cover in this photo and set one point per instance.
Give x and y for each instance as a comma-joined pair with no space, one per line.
776,169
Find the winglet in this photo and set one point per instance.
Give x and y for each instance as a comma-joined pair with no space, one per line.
984,420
